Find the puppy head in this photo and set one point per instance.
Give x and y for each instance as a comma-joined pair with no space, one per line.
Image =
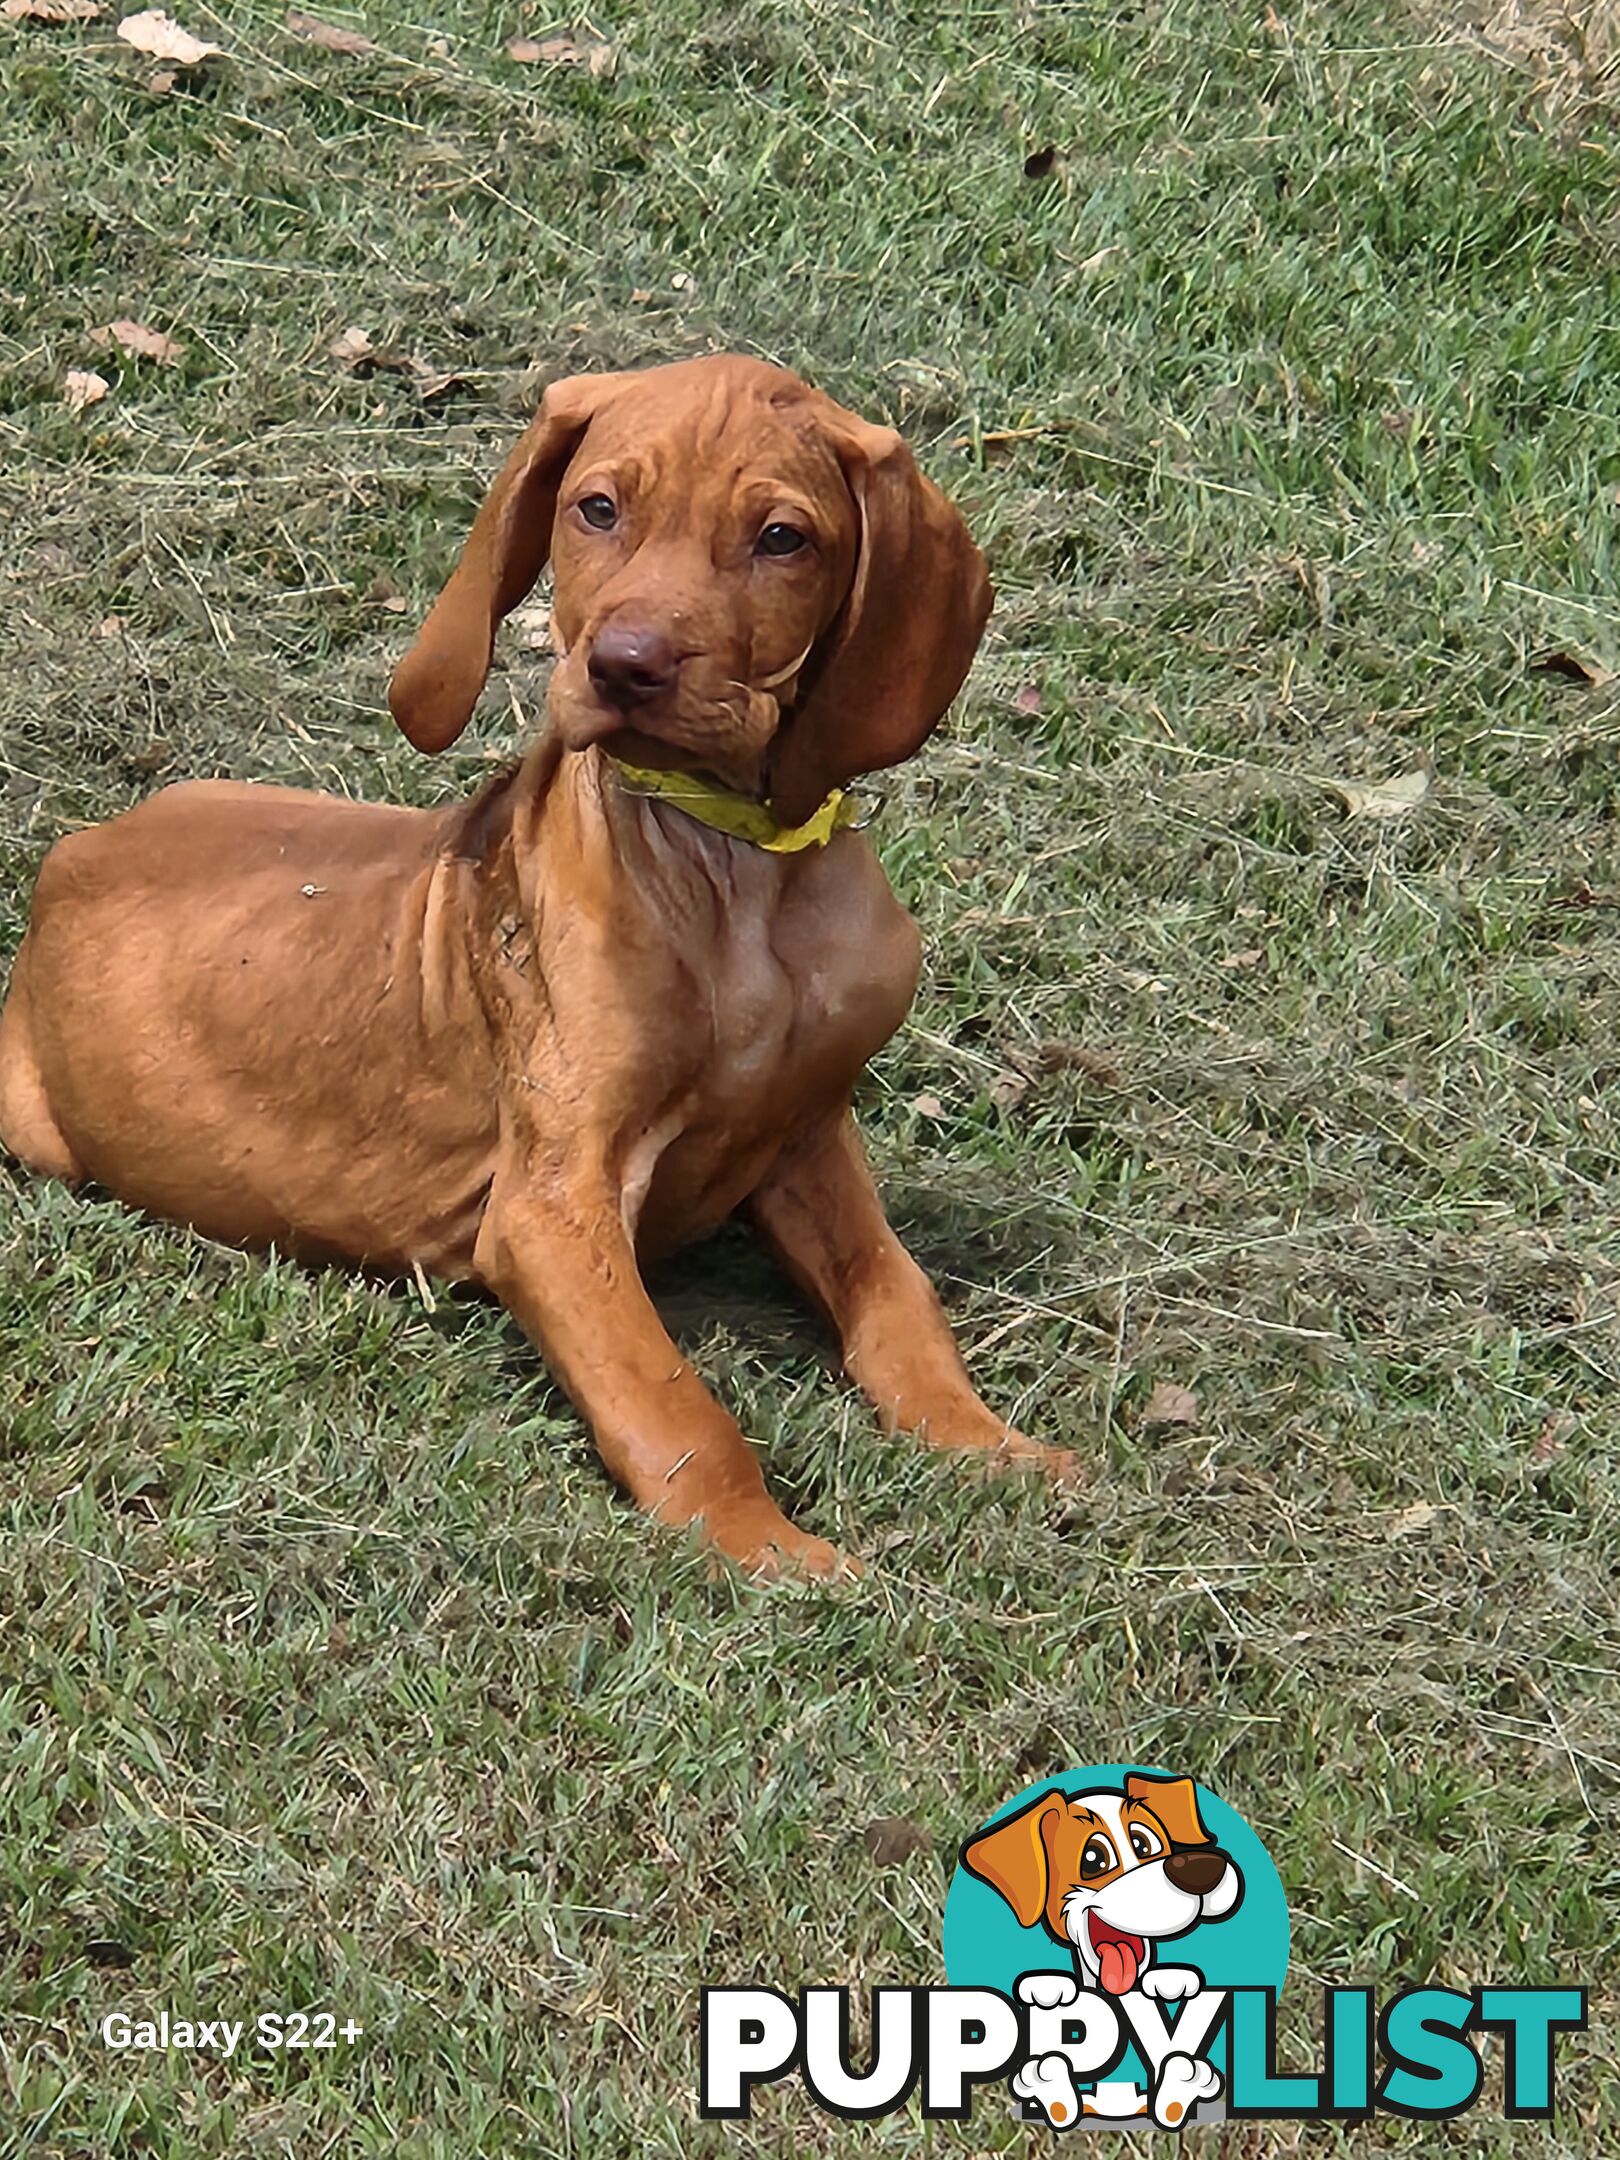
748,579
1109,1874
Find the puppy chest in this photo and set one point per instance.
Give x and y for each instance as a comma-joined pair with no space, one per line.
771,1029
767,1052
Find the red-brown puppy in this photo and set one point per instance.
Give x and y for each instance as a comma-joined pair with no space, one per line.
536,1038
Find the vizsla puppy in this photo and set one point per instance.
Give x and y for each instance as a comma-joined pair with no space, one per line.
622,994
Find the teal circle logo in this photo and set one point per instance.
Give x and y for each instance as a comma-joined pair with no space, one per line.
1116,1885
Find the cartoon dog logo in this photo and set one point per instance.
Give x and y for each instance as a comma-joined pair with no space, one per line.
1110,1875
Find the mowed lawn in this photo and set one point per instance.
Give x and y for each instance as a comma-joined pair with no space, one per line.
333,1672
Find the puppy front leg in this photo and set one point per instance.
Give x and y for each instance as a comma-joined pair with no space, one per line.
819,1212
562,1264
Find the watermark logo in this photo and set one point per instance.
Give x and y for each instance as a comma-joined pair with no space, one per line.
1115,1942
1120,1909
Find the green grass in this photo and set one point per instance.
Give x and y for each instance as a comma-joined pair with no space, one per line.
332,1671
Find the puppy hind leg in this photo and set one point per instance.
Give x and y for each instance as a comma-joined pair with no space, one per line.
28,1129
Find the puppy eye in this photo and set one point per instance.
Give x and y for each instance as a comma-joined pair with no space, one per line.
1144,1845
598,511
782,540
1097,1858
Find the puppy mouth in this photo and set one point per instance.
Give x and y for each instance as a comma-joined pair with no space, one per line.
1120,1957
724,730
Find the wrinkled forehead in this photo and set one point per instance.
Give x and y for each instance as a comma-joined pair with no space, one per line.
705,430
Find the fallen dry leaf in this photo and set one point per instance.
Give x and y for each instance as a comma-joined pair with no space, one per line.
1406,1520
892,1839
1008,1089
1554,1436
1251,956
328,36
138,341
1574,667
1170,1404
353,349
51,11
928,1106
1060,1055
433,382
110,626
595,57
1028,700
1583,895
1384,798
154,32
81,387
384,593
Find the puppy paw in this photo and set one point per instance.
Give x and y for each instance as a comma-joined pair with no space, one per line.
1049,2084
1048,1991
1171,1983
760,1539
994,1446
1182,2083
1061,1465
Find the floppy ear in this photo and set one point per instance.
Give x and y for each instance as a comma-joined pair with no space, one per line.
1175,1801
905,638
1011,1857
436,685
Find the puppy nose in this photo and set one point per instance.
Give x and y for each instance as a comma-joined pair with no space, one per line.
630,663
1195,1872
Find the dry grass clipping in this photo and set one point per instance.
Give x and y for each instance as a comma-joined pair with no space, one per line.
1569,57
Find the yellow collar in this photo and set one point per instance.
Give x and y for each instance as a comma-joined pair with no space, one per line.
738,815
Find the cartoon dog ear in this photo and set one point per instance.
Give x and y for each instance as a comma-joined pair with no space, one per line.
436,685
881,680
1175,1802
1011,1857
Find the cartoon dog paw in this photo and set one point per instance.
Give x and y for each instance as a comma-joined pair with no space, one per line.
1171,1983
1181,2085
1048,1991
1048,2082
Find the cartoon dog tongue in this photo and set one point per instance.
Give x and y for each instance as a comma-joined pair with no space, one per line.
1119,1959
